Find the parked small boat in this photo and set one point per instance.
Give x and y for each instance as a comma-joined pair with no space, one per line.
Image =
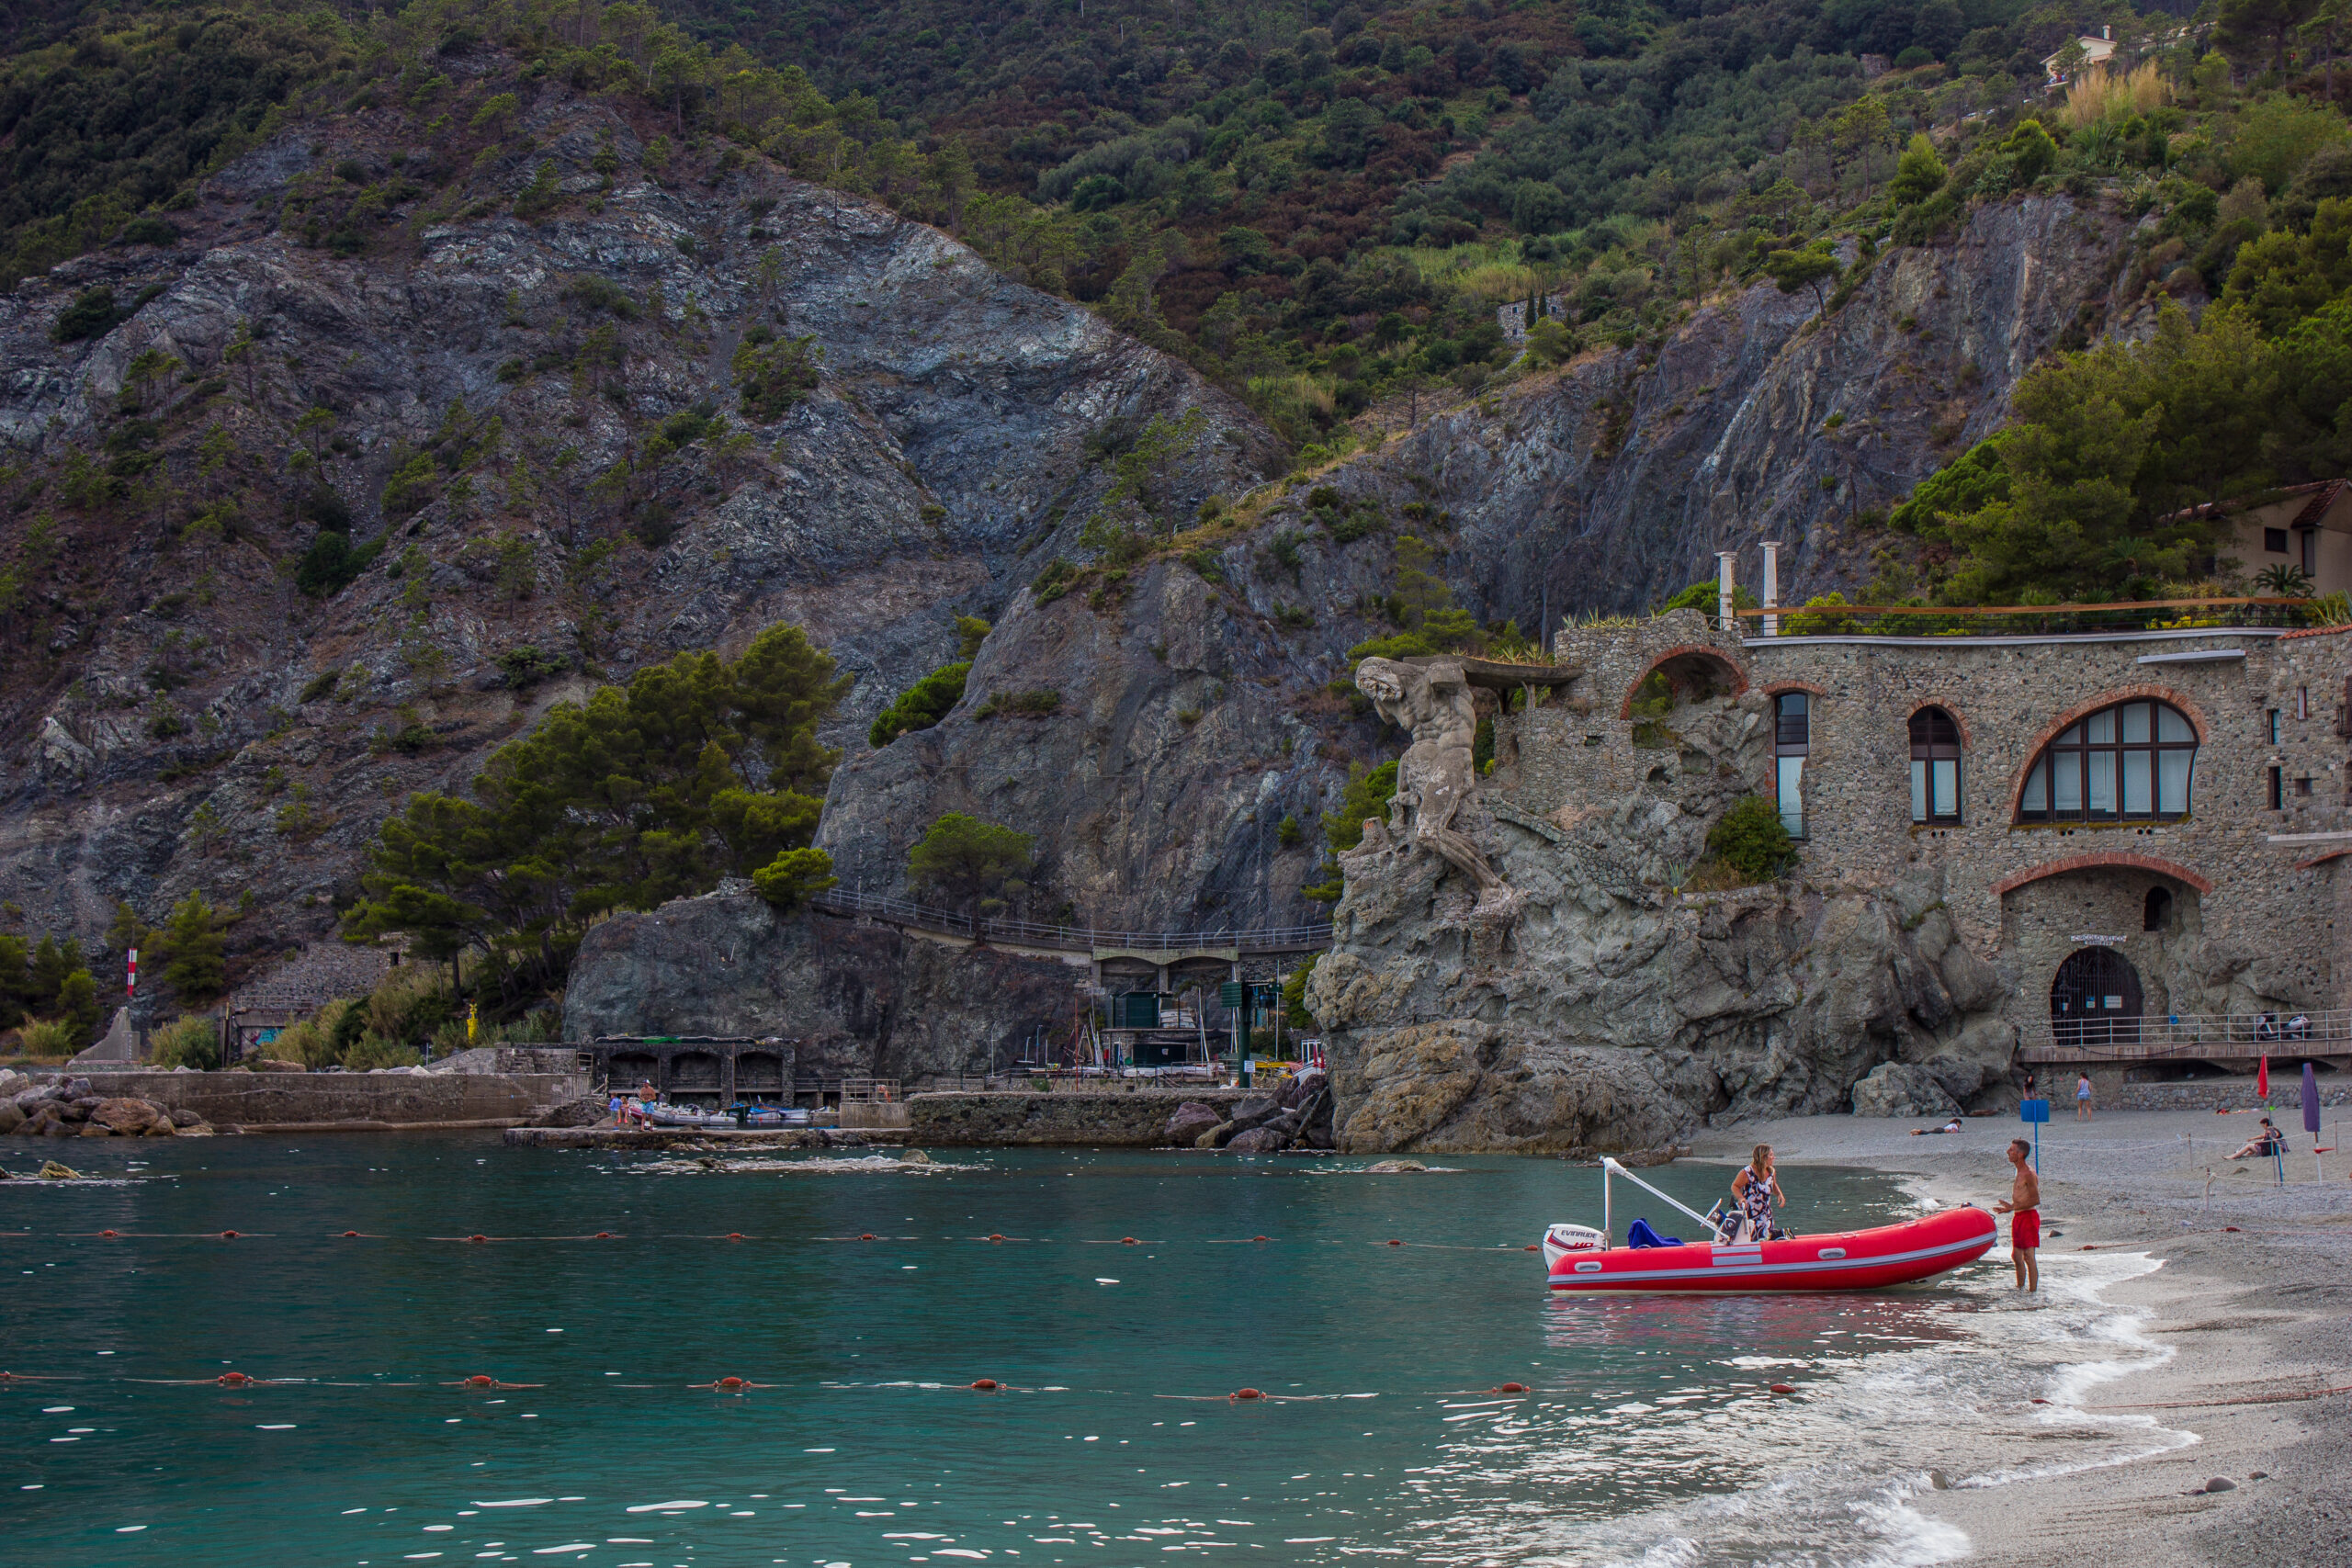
660,1114
1581,1259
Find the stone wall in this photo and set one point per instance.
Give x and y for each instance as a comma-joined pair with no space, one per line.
359,1101
1136,1121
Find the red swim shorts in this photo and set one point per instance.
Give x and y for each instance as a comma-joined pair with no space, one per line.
2025,1229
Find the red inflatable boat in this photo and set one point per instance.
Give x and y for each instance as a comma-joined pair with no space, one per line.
1585,1259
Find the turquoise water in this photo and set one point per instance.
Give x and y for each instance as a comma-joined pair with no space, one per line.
860,1443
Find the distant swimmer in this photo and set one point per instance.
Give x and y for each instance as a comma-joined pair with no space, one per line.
2024,1203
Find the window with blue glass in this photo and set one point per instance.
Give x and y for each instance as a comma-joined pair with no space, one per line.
1792,739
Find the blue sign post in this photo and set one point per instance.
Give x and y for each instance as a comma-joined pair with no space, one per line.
2036,1111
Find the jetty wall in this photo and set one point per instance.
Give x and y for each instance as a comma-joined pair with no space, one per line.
1136,1120
257,1102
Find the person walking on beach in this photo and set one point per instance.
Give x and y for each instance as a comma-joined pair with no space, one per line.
1757,1189
2083,1097
2024,1205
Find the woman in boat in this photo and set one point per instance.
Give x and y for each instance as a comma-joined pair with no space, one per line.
1757,1191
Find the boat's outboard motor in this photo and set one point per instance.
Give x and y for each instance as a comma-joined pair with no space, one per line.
1561,1240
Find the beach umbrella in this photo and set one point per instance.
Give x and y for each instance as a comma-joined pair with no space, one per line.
2262,1080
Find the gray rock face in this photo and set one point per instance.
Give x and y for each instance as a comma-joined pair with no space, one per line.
1900,1088
1614,1012
1258,1141
860,999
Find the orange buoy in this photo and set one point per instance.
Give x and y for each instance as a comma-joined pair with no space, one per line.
603,1236
108,1234
1530,1247
1129,1241
729,1383
734,1236
2090,1247
1258,1238
867,1237
227,1235
1396,1244
350,1232
232,1380
482,1379
994,1237
2229,1227
986,1385
1784,1388
1511,1388
477,1238
2041,1402
1245,1394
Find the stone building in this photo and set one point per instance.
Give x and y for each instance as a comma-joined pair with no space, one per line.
2129,825
2119,850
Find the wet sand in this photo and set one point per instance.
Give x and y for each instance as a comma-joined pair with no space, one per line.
2256,1317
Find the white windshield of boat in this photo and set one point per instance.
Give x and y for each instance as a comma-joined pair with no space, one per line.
1610,1167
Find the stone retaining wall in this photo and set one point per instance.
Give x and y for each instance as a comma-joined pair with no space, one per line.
258,1101
1122,1120
2209,1094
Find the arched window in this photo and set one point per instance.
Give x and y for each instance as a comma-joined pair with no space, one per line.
1935,768
1791,740
2130,760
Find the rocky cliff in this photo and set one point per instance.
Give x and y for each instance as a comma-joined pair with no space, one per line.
1607,1010
519,403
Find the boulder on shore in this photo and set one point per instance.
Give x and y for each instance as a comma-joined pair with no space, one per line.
1902,1089
1192,1119
1267,1140
1217,1136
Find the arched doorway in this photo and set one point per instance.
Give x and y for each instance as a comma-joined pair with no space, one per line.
2095,999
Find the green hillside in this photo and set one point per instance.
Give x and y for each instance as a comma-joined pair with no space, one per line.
1322,206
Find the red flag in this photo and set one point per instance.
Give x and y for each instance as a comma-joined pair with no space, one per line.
2262,1080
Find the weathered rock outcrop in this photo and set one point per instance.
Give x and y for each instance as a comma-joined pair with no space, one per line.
860,999
1616,1011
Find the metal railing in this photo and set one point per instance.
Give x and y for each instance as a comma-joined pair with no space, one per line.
1067,938
2031,620
2319,1032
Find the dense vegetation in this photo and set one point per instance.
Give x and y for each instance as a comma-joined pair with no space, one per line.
695,769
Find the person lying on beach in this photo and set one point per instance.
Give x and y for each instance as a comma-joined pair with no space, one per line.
1950,1126
2263,1142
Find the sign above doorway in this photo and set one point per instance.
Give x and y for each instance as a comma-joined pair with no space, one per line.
2099,940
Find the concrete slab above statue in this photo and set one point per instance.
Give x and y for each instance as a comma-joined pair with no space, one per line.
1431,698
117,1044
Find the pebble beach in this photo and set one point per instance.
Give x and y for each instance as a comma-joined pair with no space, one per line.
2243,1312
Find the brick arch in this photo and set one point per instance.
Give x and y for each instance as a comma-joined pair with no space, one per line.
1958,720
2096,859
1778,688
2057,727
1685,650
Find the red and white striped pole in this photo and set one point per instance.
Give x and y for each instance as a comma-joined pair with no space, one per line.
130,978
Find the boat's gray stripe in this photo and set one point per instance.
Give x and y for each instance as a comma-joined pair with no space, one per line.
1708,1271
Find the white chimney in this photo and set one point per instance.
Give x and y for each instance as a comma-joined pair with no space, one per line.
1771,586
2107,34
1724,589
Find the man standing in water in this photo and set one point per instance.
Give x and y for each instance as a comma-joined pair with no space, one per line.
2024,1203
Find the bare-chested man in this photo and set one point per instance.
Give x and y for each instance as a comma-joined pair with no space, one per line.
2024,1203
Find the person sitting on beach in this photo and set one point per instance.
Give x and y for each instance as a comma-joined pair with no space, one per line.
1950,1126
2024,1203
1756,1189
2265,1142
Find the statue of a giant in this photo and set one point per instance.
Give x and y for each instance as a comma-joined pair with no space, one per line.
1437,774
